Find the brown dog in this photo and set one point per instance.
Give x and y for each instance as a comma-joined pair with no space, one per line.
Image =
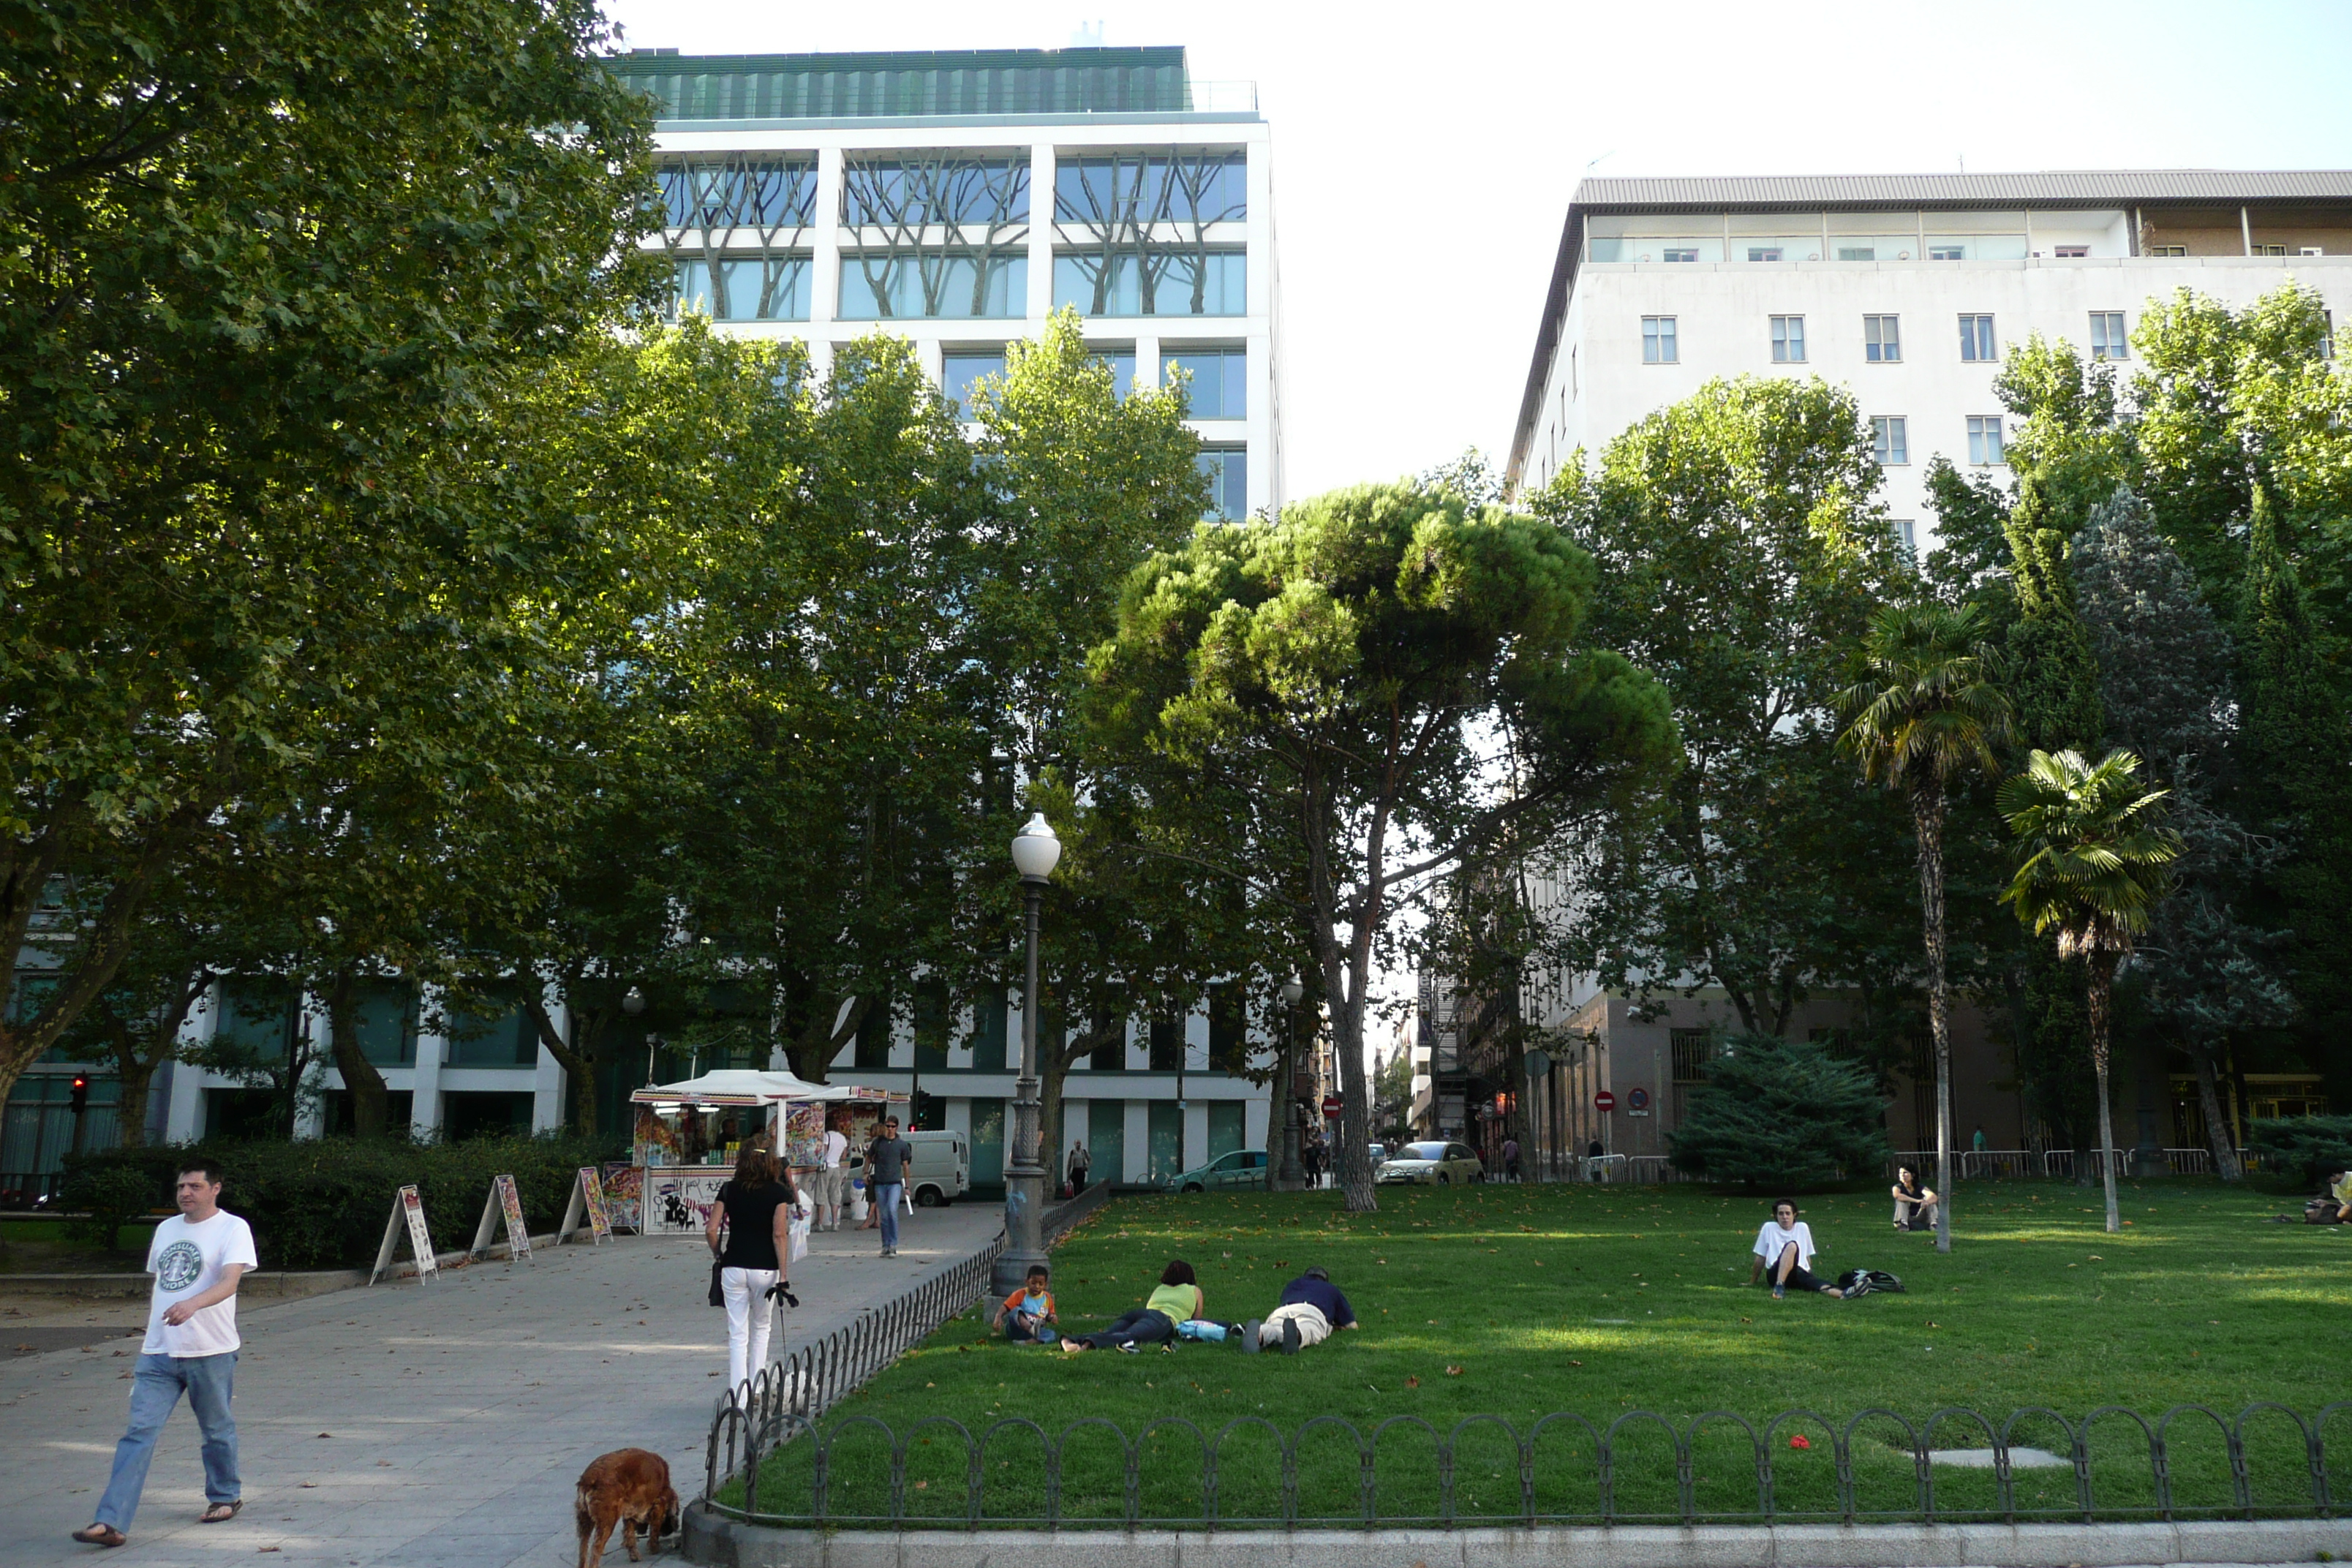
629,1488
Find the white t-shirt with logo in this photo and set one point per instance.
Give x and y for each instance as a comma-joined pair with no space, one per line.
1771,1241
187,1260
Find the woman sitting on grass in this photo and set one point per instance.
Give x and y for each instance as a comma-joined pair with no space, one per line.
1784,1248
1177,1300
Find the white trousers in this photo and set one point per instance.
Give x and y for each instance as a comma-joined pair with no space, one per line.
1314,1328
750,1314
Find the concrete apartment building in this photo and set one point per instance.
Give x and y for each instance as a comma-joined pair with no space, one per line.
955,200
1909,290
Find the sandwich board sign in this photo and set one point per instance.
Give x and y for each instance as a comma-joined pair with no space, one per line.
588,1196
407,1206
505,1201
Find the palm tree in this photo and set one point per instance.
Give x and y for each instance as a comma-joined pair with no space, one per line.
2094,866
1924,715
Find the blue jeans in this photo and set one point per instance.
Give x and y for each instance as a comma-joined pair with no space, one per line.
154,1392
888,1195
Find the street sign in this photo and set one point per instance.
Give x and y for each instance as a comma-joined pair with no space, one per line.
1538,1064
1603,1100
1332,1106
1637,1100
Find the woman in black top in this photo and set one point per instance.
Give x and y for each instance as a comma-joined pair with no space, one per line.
755,1210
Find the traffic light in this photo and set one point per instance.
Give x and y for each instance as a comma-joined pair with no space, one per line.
80,1094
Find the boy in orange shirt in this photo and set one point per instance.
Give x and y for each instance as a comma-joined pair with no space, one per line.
1028,1313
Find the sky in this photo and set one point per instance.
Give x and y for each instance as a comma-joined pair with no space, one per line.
1424,155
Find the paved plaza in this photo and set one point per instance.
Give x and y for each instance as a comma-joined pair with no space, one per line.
440,1425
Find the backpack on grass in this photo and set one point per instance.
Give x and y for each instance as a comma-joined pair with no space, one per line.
1865,1281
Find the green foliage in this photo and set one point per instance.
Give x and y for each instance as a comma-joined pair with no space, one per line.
322,1204
2303,1151
1783,1114
1744,552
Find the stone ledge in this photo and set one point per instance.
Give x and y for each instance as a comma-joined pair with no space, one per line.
727,1543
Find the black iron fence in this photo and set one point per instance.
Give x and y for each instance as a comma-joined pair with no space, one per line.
770,1462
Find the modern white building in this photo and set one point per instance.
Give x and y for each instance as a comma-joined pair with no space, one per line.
1908,289
958,199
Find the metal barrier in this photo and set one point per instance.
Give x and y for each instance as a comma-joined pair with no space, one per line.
749,1435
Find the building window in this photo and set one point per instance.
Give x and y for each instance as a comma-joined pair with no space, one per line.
1161,283
1976,338
2107,340
2065,252
1227,469
888,287
746,290
1217,389
1680,253
961,368
1658,339
1889,442
1882,338
1984,439
1788,339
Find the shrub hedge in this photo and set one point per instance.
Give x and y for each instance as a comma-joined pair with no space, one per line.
322,1202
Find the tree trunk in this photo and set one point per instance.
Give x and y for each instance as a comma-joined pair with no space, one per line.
371,1101
2101,972
1927,817
2217,1126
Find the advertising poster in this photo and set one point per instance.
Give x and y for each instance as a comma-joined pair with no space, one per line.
510,1205
678,1202
623,1192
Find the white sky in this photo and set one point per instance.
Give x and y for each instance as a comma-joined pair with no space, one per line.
1424,155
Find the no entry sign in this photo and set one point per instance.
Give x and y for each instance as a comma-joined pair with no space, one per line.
1332,1106
1603,1100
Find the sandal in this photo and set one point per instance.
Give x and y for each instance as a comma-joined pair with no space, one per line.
100,1535
220,1512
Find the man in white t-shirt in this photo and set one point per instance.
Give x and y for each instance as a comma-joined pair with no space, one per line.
198,1257
832,1189
1784,1250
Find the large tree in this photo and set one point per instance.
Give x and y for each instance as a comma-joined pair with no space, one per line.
1328,689
1924,716
252,254
2093,865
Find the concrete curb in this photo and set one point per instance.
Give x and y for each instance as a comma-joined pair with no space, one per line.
727,1543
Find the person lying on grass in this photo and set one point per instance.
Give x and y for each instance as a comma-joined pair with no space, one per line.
1177,1299
1312,1307
1028,1314
1784,1247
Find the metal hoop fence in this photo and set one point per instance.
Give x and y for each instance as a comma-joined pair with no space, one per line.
770,1463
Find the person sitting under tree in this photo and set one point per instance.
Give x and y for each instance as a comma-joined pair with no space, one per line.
1915,1202
1784,1248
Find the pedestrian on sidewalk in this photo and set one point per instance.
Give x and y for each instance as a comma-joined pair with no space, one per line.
198,1257
886,1179
755,1210
832,1182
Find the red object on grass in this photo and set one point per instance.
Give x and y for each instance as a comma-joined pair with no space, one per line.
1800,1441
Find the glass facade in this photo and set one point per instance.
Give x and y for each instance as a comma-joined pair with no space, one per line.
894,287
750,289
1228,471
1154,283
1218,388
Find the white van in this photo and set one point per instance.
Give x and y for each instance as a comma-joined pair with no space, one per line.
939,1172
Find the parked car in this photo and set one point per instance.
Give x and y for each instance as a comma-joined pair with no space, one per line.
1236,1168
939,1172
1432,1163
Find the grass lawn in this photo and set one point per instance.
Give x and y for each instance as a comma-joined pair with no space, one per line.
1519,1301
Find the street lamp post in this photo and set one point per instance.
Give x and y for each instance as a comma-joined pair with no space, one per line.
1293,1174
1035,852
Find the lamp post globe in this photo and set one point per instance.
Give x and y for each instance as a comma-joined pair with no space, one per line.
1035,852
1292,1175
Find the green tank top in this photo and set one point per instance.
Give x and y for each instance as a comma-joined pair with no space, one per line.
1176,1303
